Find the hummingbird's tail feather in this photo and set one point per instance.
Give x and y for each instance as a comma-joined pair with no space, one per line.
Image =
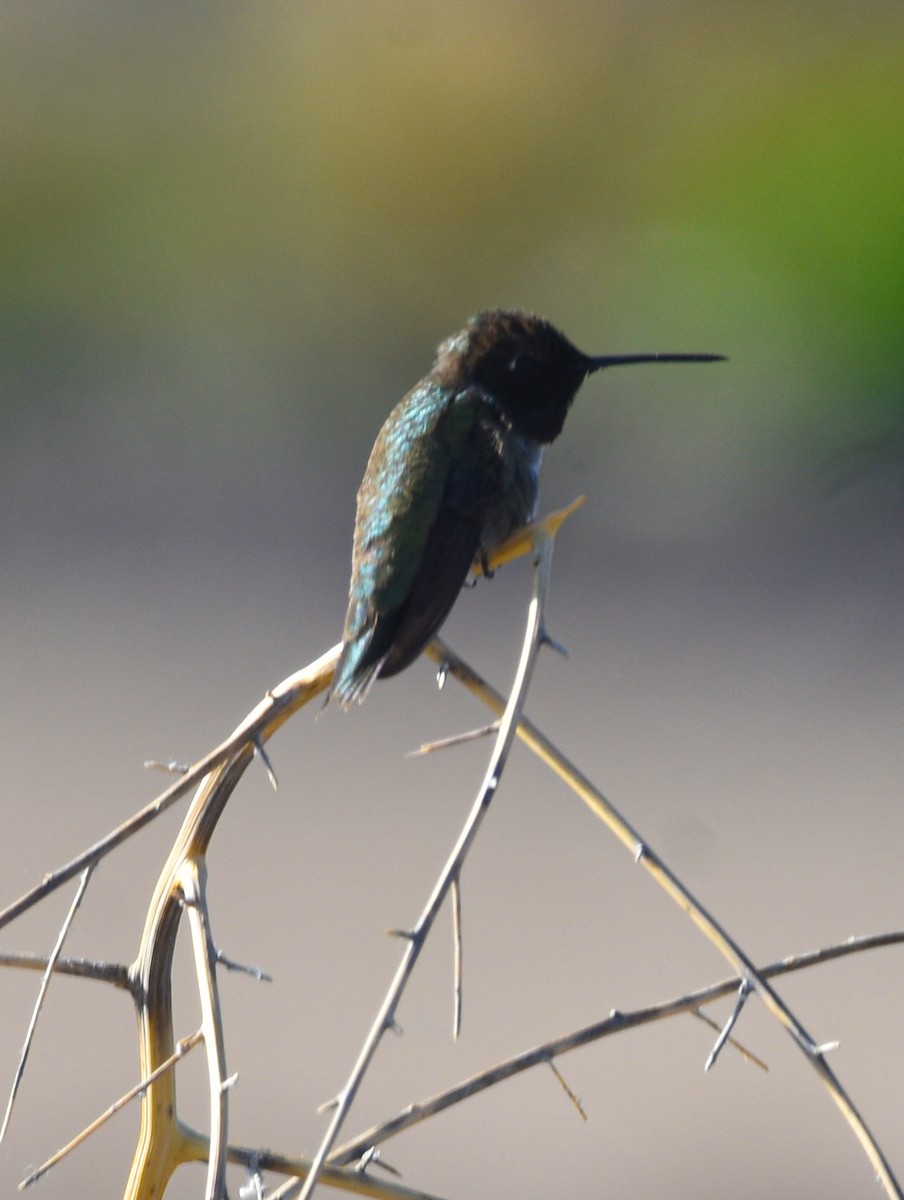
368,643
353,678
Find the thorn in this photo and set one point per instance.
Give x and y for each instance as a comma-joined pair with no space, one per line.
407,934
230,1082
172,767
746,1054
568,1092
442,674
455,740
640,851
825,1048
546,640
371,1157
371,1154
253,1188
327,1106
743,992
255,972
458,957
394,1027
265,758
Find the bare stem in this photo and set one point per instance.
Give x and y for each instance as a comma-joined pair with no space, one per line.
451,872
167,1065
457,957
669,881
42,992
617,1022
276,708
116,974
193,879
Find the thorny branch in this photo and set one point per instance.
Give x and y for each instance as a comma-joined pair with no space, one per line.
164,1141
669,881
451,872
617,1022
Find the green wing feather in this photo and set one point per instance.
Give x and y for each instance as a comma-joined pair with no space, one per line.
417,532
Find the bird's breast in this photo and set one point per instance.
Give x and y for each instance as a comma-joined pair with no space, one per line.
515,497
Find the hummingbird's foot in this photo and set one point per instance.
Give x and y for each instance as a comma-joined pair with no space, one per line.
479,570
546,640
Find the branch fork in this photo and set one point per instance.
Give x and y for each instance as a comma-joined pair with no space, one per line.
164,1141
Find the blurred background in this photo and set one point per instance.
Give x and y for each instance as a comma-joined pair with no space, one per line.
231,238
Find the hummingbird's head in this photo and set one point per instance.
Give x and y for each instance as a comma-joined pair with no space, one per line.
530,369
524,363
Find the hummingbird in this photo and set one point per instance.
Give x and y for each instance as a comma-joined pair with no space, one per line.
453,473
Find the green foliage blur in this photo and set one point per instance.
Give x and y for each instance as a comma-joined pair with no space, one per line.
232,234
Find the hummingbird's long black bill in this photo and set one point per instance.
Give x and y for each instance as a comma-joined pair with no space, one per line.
624,360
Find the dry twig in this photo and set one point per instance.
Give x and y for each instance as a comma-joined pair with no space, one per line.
42,992
543,542
643,853
164,1141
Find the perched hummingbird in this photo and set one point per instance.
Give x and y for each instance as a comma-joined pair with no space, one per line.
453,473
